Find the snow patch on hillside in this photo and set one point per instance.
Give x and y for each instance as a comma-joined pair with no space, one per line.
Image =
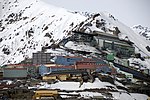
143,31
26,27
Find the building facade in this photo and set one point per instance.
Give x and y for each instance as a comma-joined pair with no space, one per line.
121,48
41,58
15,72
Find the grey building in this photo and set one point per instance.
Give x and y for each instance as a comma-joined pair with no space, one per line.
121,48
41,58
104,41
15,72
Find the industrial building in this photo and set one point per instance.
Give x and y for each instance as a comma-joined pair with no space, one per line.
14,73
121,48
41,58
105,41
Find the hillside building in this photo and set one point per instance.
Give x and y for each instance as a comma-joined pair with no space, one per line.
14,73
121,48
106,41
41,58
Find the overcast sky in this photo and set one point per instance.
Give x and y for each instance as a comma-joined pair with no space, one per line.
130,12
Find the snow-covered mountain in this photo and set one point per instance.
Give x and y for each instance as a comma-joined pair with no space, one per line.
105,22
144,31
27,26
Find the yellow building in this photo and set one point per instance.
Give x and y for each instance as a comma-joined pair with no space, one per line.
45,93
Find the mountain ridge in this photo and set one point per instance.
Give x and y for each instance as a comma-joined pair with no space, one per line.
26,27
144,31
